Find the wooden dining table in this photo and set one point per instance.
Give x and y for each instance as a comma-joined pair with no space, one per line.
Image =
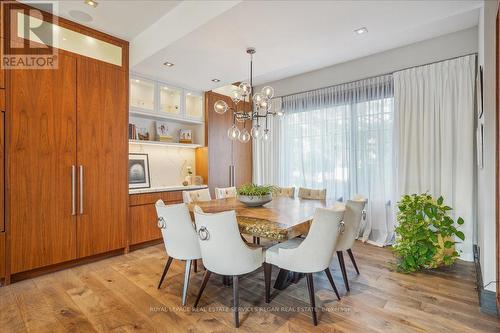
281,219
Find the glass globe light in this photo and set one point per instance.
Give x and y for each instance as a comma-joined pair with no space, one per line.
236,96
268,92
264,104
244,136
266,135
256,131
233,133
245,89
257,98
220,107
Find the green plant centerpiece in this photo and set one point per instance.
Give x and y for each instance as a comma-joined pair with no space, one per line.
425,233
255,195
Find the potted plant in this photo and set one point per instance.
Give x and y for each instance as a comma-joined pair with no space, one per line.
255,195
425,233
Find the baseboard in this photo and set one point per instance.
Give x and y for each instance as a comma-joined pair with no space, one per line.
487,298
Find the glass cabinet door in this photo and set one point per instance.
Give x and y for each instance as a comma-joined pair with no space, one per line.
142,94
170,100
194,105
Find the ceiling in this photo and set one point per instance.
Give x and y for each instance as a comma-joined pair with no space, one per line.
207,39
124,19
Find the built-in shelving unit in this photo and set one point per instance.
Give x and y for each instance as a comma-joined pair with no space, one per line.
166,144
153,101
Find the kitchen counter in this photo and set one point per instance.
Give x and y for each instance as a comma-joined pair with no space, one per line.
166,189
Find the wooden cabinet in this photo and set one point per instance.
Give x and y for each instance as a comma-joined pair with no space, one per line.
224,153
102,156
142,214
42,151
68,146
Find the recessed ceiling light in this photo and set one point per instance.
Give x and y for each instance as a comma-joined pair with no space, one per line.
168,64
361,31
91,3
215,80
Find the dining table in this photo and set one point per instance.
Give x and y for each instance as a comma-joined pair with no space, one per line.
279,220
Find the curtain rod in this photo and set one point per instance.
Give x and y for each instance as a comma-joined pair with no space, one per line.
374,76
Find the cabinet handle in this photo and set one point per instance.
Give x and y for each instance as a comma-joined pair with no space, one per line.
73,190
81,189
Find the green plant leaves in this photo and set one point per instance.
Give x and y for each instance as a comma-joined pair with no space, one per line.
424,234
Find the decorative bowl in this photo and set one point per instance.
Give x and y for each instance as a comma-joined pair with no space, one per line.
255,200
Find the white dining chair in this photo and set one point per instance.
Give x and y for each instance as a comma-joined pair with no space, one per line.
349,233
197,195
179,237
312,194
308,255
225,192
223,251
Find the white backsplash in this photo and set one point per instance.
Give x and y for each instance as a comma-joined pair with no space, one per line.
167,165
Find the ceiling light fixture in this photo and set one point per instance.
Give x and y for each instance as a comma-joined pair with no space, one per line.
262,108
361,31
168,64
215,80
91,3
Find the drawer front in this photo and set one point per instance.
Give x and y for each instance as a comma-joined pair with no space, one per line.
143,224
151,198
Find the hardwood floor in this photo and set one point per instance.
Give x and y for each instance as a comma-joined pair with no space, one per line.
119,295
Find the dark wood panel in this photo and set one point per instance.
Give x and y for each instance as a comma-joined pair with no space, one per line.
41,145
143,224
151,198
2,171
219,146
2,99
102,151
2,254
201,158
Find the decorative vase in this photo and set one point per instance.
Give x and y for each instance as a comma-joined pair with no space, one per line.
254,200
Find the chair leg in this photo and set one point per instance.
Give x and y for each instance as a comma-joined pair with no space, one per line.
267,278
330,278
186,282
258,240
310,287
195,266
236,301
340,255
203,285
353,261
165,270
254,240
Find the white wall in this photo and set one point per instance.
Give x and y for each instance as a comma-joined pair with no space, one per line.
167,165
436,49
486,176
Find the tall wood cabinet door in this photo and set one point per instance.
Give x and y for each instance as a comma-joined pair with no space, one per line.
219,145
102,153
242,155
42,150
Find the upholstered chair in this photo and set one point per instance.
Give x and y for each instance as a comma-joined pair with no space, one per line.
308,255
223,251
349,232
284,192
198,195
179,237
311,194
225,192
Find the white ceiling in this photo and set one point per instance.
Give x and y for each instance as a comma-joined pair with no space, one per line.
124,19
207,39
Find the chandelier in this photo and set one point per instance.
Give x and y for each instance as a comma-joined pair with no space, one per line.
261,108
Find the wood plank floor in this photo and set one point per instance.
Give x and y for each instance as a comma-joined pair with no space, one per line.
119,295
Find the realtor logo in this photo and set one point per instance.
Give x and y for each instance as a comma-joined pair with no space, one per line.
29,35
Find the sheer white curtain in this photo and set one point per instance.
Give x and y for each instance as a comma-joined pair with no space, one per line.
340,138
266,154
434,136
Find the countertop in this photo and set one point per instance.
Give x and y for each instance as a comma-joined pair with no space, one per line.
166,189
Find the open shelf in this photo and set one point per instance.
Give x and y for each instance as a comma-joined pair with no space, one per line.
166,144
164,117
